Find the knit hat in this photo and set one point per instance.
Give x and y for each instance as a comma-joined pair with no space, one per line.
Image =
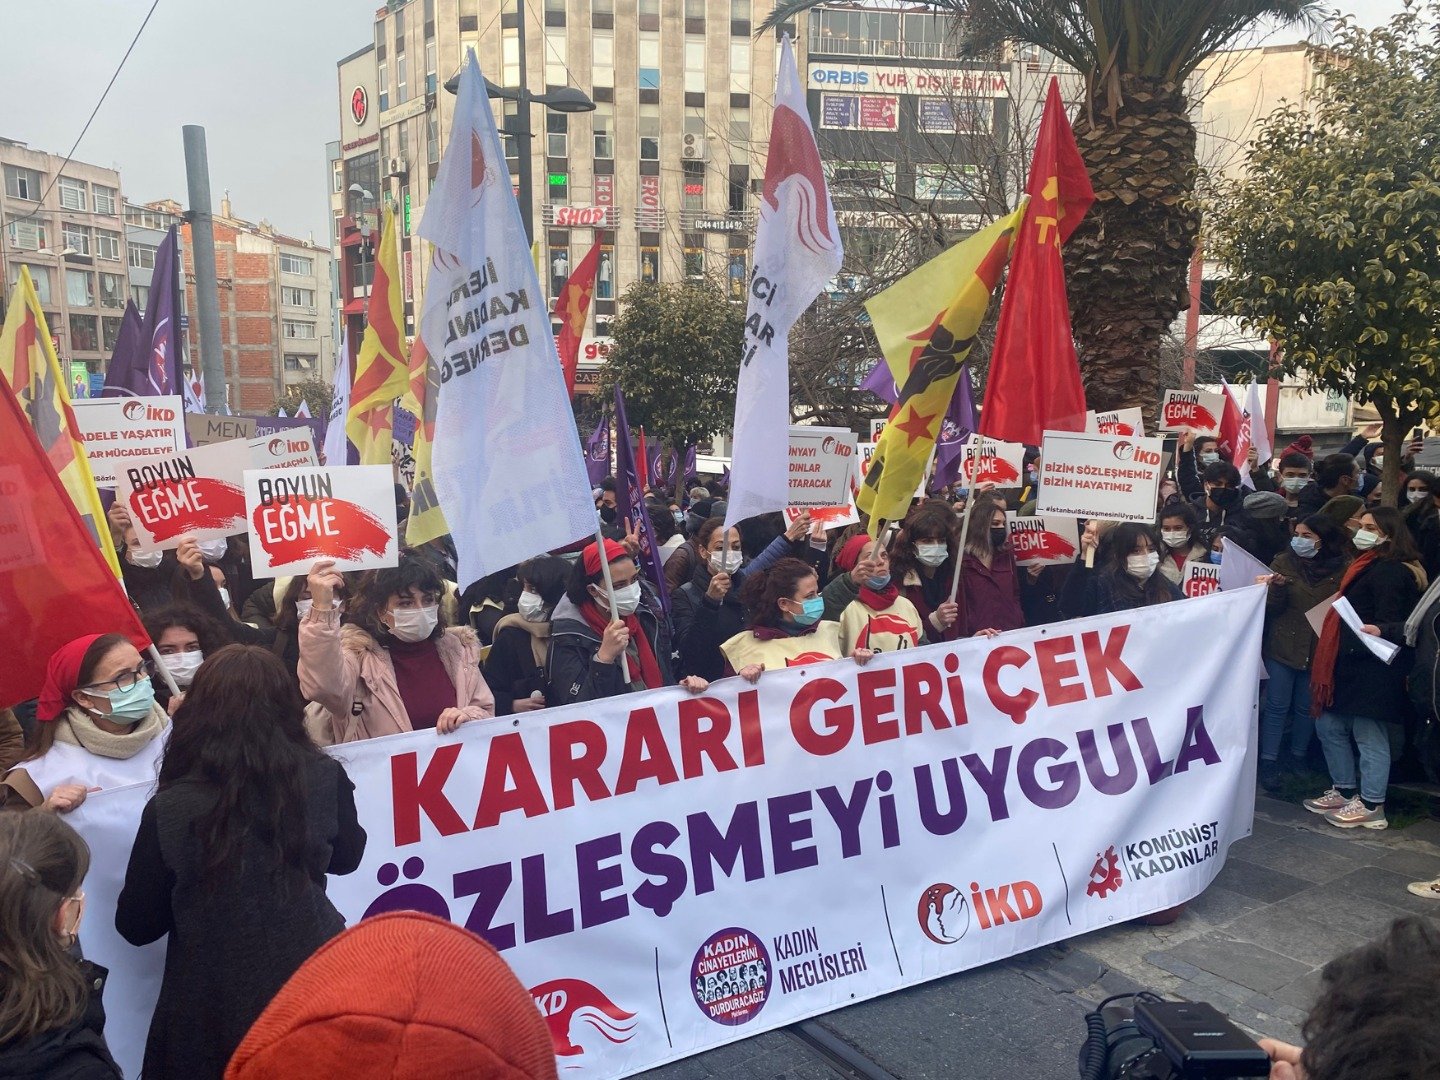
1342,508
61,675
400,996
1302,445
849,554
591,555
1265,505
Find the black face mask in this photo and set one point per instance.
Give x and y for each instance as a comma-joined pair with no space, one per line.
1225,498
607,515
998,537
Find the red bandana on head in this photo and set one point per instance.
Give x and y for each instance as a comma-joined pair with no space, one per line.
61,675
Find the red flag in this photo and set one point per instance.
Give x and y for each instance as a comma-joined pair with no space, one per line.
55,585
642,464
1234,430
571,307
1034,381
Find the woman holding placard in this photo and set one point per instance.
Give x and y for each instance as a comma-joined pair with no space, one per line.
1355,695
1125,575
394,665
100,727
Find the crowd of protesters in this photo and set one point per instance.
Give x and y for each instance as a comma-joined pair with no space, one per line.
249,816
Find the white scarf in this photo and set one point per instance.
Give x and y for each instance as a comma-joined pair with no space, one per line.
76,727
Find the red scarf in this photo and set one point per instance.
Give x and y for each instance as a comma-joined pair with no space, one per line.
649,667
881,599
1322,668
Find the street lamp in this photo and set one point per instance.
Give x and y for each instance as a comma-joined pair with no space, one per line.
566,99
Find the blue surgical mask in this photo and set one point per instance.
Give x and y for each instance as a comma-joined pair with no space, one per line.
1209,457
814,608
129,706
1303,546
1214,557
878,582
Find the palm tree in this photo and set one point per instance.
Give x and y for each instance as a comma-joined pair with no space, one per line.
1128,263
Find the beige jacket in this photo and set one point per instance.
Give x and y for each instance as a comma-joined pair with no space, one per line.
348,674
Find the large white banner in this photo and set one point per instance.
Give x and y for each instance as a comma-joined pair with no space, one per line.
669,873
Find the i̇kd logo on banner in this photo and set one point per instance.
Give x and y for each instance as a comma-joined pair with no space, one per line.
1099,476
298,516
117,429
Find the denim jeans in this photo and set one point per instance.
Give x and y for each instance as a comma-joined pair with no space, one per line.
1286,694
1335,731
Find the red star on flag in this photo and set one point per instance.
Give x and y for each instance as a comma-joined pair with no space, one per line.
917,427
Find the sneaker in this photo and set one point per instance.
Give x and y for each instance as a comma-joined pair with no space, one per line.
1355,813
1331,800
1430,890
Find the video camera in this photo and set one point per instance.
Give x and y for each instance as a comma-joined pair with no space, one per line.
1149,1038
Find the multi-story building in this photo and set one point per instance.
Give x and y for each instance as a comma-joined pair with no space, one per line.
274,298
67,228
663,173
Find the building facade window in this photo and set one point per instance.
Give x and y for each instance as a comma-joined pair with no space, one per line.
559,268
738,190
382,84
293,297
73,194
602,58
509,119
602,124
695,9
79,288
740,67
112,290
299,331
694,186
296,264
107,245
648,58
296,362
142,256
103,199
649,7
402,79
740,11
21,183
605,273
735,275
740,128
648,127
26,235
40,276
556,128
694,64
556,73
945,182
510,59
84,333
109,332
649,264
432,136
149,219
140,293
76,236
694,256
430,69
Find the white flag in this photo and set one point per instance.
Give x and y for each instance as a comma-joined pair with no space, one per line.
1259,436
280,413
797,250
337,446
303,412
508,468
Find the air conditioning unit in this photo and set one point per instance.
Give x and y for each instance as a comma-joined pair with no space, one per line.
695,148
398,167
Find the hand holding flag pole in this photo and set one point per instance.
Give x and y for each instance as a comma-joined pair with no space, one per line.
162,670
610,592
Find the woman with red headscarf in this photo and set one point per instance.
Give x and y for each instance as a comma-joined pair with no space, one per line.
594,654
879,619
100,727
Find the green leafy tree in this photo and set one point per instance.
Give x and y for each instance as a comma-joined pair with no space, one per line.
319,393
676,356
1128,262
1332,236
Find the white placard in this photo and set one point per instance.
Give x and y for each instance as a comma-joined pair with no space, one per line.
1192,410
298,516
877,427
1199,579
116,430
821,462
1043,541
292,449
1119,422
1001,463
1384,650
198,493
1099,476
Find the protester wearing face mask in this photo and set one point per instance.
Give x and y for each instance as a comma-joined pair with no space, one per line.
989,579
879,619
610,524
1193,455
1293,478
1180,541
99,726
183,637
515,666
1355,696
1302,577
1221,495
922,565
395,664
1125,575
596,653
51,1017
787,629
1421,511
706,611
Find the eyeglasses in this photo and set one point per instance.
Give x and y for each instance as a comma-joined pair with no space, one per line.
124,681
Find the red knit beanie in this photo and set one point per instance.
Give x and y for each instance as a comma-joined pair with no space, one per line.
401,996
1302,445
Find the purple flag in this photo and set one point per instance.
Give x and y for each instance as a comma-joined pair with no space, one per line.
630,503
657,465
881,383
692,471
125,374
957,426
597,452
161,346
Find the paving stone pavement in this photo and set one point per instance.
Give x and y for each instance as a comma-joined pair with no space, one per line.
1294,894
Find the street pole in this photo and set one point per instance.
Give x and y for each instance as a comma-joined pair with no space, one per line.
526,136
202,238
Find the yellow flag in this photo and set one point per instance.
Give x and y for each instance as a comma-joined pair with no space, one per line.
925,324
29,364
381,372
425,521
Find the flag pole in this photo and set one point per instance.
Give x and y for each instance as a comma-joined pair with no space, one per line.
965,516
610,592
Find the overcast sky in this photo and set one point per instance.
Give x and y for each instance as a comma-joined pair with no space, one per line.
260,77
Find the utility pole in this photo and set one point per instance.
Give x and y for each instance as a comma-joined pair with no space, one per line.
202,239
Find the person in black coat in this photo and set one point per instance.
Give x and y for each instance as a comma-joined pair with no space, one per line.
515,666
51,1017
1355,696
231,857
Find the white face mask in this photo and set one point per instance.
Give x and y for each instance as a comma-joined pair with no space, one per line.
932,553
1142,566
214,550
1294,484
415,624
146,560
182,665
302,608
1417,496
224,596
1209,457
1175,537
532,607
1365,539
627,599
726,562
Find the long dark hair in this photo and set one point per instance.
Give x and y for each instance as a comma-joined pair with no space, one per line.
1115,547
42,862
241,732
1401,548
977,538
762,593
546,574
212,636
932,520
